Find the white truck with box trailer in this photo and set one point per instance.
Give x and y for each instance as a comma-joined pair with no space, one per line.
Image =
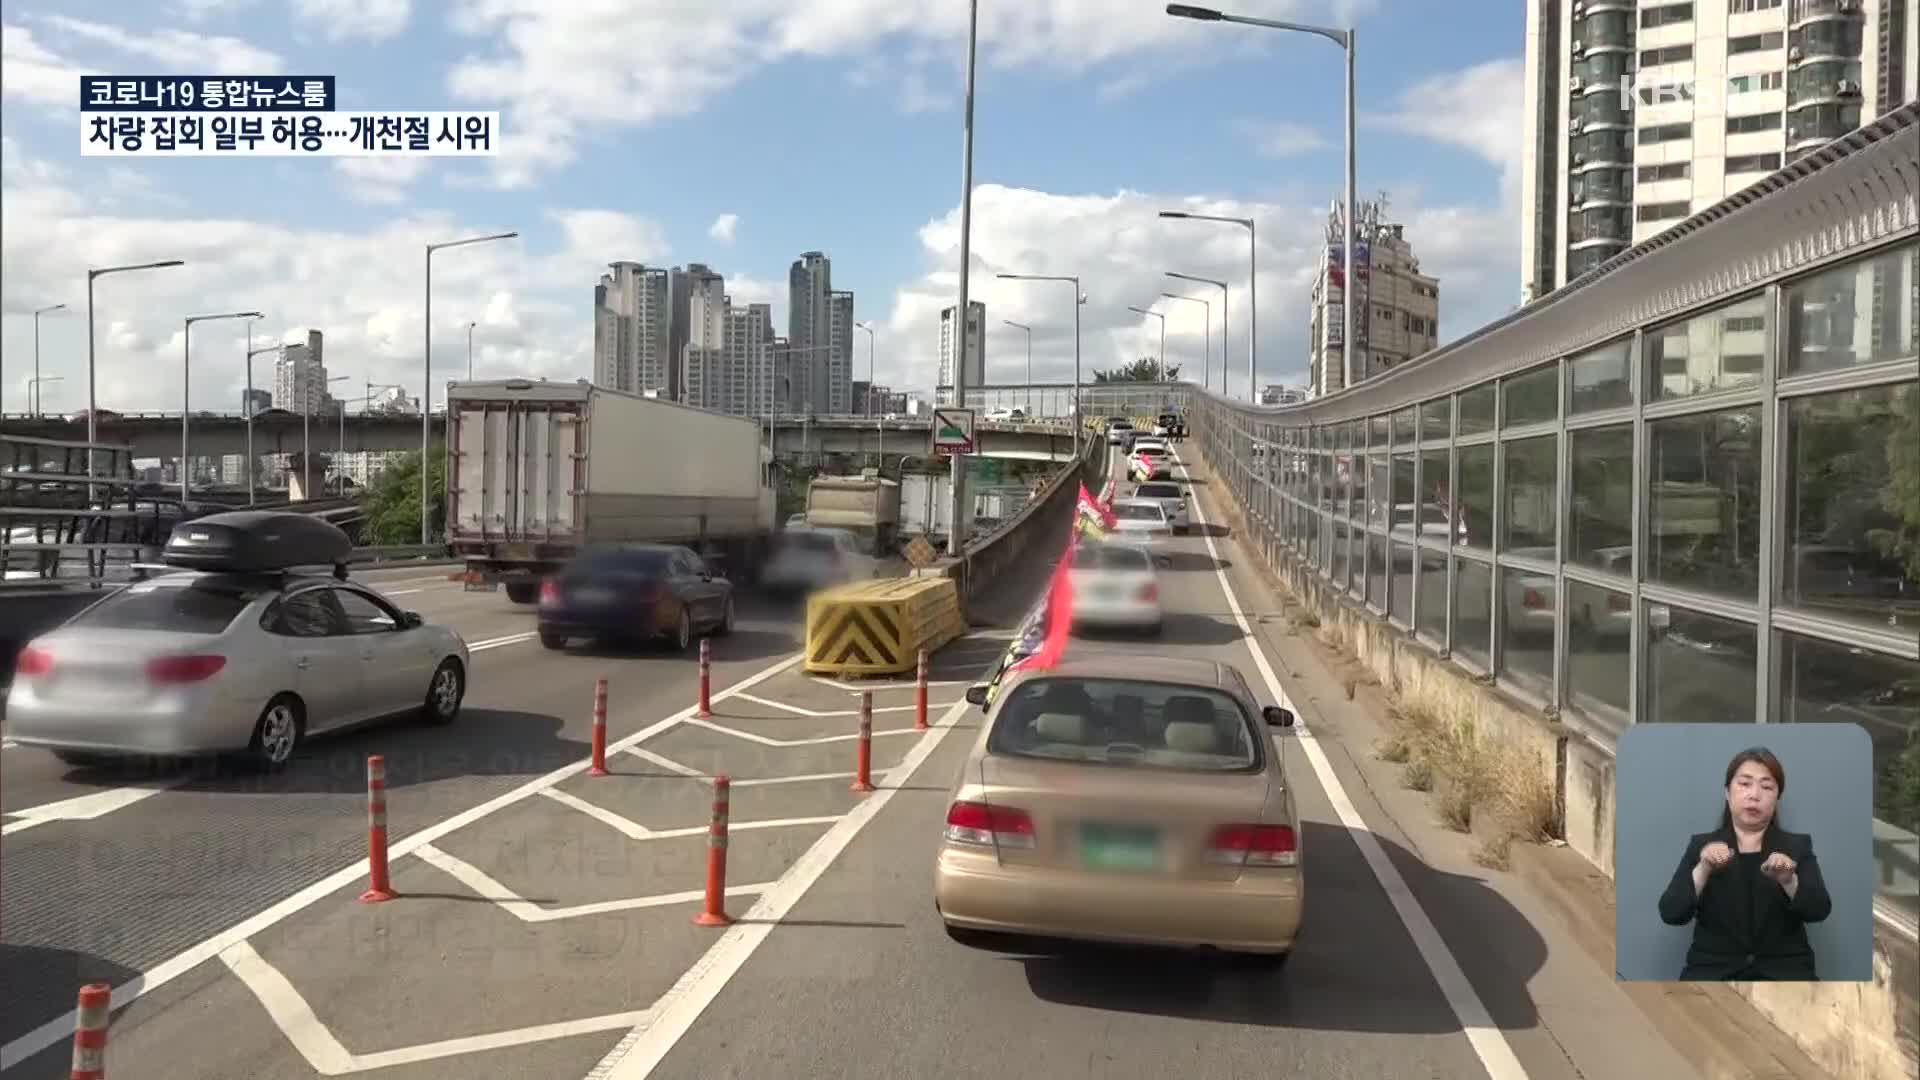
540,469
867,506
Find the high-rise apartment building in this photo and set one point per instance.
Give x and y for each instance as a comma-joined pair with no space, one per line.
974,372
1398,316
632,329
701,374
809,333
749,343
840,357
300,377
1638,115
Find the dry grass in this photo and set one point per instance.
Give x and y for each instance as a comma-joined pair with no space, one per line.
1495,852
1393,748
1418,776
1475,780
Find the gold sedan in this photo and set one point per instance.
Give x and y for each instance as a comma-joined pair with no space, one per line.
1125,798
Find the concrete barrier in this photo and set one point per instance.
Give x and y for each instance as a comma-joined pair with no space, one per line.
880,627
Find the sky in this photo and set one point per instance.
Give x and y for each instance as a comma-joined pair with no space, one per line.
740,133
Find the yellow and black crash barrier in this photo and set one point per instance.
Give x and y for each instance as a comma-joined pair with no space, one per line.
878,627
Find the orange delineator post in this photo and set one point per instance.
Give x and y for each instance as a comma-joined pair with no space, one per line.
920,695
599,766
90,1032
863,763
714,911
706,679
378,887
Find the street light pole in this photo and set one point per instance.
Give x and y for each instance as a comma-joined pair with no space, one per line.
1253,297
1078,300
1163,335
470,327
186,388
340,448
33,387
957,528
426,389
93,404
1224,342
1207,307
1344,39
1029,330
253,463
879,424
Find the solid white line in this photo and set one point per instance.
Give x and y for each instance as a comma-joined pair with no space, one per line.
758,781
632,830
81,807
527,911
818,715
399,592
664,762
636,1056
61,1027
749,826
495,643
877,686
325,1054
819,741
1488,1041
795,709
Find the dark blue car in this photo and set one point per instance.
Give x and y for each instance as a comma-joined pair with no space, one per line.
631,593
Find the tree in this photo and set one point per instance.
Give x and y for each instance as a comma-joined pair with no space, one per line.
392,501
1145,369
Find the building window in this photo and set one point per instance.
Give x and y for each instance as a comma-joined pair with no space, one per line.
1599,632
1765,80
1600,502
1531,397
1673,170
1752,163
1601,378
1700,355
1477,410
1704,513
1528,496
1742,7
1672,54
1526,629
1852,315
1669,133
1665,16
1401,593
1433,594
1475,497
1700,668
1472,626
1666,211
1742,125
1756,43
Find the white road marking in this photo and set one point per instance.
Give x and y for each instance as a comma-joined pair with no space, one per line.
1488,1041
764,740
324,1053
877,686
81,807
61,1027
398,592
817,714
665,762
636,1056
633,830
758,781
527,911
495,643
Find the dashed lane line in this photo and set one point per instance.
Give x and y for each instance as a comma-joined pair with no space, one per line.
1488,1041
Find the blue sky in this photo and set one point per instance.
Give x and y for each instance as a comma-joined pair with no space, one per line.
631,127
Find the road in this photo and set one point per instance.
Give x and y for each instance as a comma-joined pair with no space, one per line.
544,927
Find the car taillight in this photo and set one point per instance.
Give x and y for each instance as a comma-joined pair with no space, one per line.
1533,601
1254,845
1150,591
549,591
33,661
987,825
184,669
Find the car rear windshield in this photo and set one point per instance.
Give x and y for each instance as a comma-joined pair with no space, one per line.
201,606
1150,449
649,562
1157,491
1110,557
1126,722
1139,512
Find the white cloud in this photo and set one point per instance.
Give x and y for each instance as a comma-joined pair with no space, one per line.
174,49
202,10
724,228
1480,109
32,72
564,70
360,284
379,180
1282,138
348,20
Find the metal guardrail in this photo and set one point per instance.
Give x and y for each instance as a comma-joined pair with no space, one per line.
399,553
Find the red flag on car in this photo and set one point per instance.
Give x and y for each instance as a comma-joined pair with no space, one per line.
1059,611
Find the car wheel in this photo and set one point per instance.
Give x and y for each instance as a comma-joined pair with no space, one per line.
278,733
972,939
520,592
553,639
445,692
726,616
1261,962
83,759
1181,530
1154,629
683,631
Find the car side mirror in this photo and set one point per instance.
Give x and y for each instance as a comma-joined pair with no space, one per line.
1277,716
411,620
977,695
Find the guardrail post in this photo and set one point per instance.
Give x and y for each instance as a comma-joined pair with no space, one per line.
90,1032
920,695
378,887
714,911
706,678
863,759
599,765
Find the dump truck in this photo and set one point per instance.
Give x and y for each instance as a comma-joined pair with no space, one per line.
867,505
539,470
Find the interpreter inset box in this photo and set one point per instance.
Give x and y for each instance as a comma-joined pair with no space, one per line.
1744,852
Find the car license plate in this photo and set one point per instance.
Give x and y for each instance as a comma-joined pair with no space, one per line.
1119,847
592,596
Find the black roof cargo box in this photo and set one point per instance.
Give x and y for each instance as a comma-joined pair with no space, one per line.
253,541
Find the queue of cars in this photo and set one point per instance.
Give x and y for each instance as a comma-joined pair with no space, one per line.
1119,797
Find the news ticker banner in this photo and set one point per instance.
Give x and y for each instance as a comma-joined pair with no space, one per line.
262,116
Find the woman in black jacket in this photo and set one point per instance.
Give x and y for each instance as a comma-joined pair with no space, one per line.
1749,887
